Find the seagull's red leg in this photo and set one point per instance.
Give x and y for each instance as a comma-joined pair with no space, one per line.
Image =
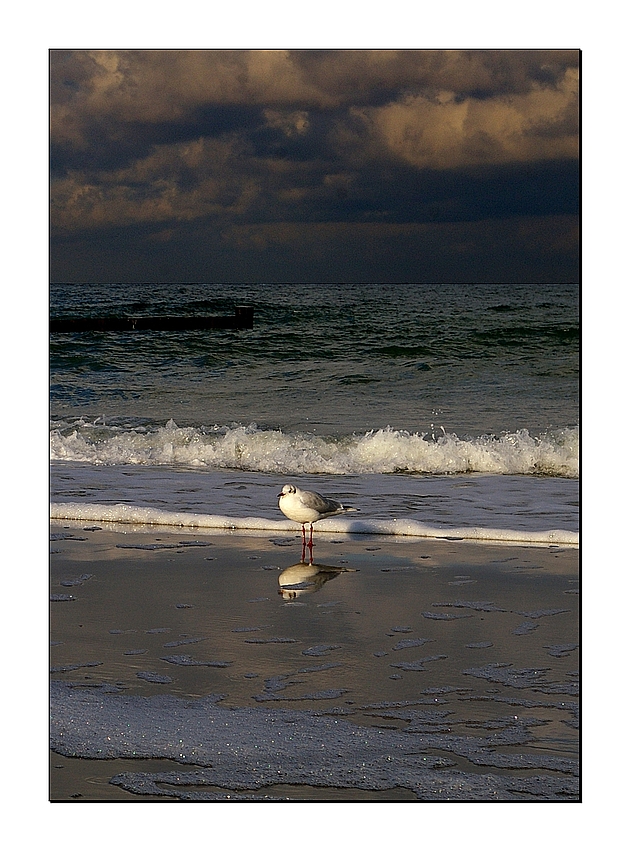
303,551
310,544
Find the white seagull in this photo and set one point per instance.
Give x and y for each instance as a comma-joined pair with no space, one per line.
306,506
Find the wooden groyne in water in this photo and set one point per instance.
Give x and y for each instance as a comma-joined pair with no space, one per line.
242,319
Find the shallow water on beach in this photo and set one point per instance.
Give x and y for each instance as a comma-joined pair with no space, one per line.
468,650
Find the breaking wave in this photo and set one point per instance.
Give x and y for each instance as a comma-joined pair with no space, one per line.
254,449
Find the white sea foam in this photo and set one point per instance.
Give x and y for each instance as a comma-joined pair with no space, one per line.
555,453
240,750
132,514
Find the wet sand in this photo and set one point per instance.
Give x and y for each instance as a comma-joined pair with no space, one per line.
462,654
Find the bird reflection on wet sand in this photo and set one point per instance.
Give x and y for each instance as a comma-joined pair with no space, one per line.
304,577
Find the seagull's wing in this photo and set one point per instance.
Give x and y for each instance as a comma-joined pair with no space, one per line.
319,503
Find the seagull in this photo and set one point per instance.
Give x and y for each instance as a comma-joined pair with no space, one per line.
306,506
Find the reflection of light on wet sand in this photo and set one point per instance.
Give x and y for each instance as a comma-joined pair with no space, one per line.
406,645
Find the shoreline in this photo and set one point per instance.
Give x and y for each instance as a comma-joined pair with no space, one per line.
467,649
172,520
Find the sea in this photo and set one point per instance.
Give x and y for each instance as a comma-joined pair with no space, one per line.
435,410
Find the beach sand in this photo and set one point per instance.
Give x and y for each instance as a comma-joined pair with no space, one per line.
404,669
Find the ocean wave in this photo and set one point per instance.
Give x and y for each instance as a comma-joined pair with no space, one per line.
136,515
254,449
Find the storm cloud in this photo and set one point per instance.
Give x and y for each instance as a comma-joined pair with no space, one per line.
279,165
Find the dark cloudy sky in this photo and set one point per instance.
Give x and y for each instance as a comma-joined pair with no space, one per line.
315,165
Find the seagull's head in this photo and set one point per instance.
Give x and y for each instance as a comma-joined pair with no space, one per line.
287,490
